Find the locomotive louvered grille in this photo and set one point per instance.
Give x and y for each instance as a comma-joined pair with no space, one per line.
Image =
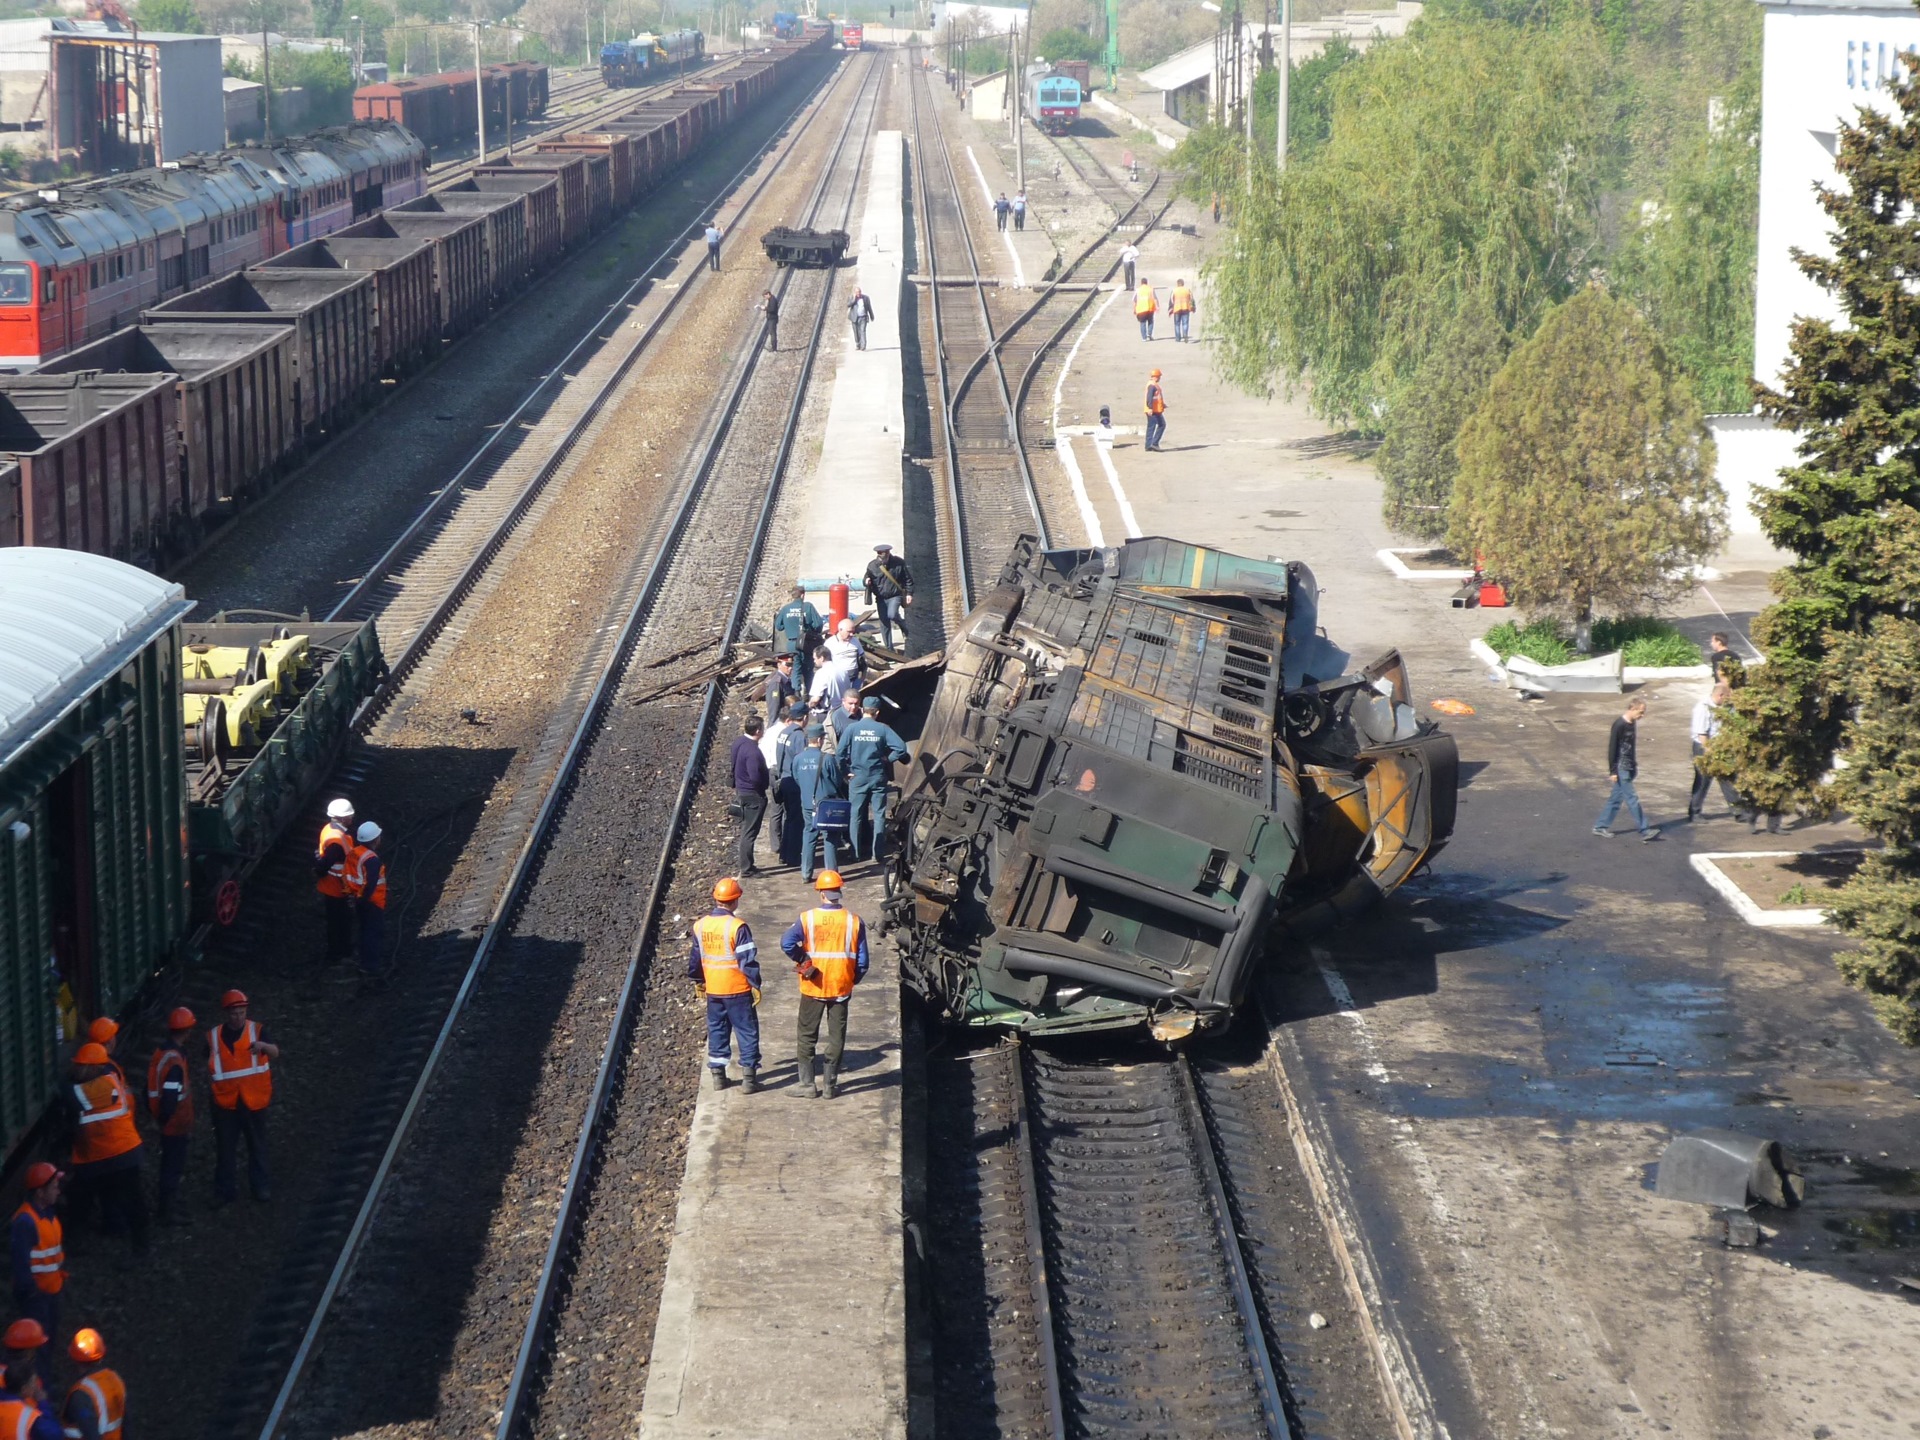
1238,773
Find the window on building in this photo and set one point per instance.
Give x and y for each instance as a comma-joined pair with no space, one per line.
1850,59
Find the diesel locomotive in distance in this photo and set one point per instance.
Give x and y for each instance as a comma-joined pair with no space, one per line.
1142,769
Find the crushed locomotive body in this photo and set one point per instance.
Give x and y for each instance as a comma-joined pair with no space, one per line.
1141,770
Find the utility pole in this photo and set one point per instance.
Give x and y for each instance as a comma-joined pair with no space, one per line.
359,47
480,106
1286,77
266,93
1019,80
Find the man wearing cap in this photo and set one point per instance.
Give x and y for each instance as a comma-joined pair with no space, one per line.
779,746
796,631
24,1412
97,1402
330,853
106,1141
366,876
870,750
38,1250
170,1103
889,588
815,776
1156,408
828,947
240,1065
727,969
780,691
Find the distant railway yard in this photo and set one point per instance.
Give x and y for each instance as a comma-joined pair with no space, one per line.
1239,1043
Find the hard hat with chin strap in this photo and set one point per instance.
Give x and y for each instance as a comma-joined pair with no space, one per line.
727,890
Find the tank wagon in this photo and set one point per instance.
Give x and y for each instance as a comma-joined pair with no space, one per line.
1141,770
166,423
1053,99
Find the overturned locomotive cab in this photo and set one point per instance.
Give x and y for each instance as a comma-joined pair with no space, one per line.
1142,769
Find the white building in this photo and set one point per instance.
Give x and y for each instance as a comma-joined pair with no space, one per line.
1823,60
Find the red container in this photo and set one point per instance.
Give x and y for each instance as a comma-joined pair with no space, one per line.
836,605
1493,596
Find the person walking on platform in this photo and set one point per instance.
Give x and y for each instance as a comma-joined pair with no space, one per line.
770,308
240,1064
750,785
1180,306
170,1103
781,742
816,776
1129,263
780,691
1156,408
1706,724
860,312
713,245
97,1402
724,963
367,883
106,1142
24,1412
890,590
37,1248
828,947
1145,306
796,632
1002,208
330,867
1020,210
869,750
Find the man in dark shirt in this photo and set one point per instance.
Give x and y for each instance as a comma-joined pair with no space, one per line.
780,691
889,587
750,784
1623,766
770,307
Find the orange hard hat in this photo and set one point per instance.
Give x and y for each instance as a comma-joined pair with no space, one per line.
91,1053
827,880
726,890
1153,374
103,1030
233,998
41,1173
181,1019
87,1346
24,1335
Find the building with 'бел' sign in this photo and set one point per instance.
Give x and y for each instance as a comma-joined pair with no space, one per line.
1823,61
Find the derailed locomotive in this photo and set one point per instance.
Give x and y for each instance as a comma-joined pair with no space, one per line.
1141,770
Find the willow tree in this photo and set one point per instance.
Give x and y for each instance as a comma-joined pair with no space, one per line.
1418,456
1586,476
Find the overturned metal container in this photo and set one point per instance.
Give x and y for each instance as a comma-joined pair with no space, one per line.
1726,1168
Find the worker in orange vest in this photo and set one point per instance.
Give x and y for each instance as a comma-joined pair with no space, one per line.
97,1402
1145,306
828,947
1156,408
170,1103
366,876
37,1246
24,1412
724,962
1180,306
330,853
239,1063
106,1141
81,1199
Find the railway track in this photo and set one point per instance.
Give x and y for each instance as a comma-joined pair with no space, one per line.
422,592
1121,197
388,1277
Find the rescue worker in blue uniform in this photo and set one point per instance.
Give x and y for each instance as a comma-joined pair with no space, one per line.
797,629
871,749
724,963
828,946
815,776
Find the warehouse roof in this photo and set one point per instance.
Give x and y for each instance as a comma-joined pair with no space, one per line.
68,621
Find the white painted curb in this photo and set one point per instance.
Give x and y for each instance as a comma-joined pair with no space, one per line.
1487,656
1402,571
1641,674
1743,904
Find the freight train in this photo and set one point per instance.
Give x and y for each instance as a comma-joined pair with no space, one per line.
440,109
1142,770
85,259
1052,99
135,445
649,59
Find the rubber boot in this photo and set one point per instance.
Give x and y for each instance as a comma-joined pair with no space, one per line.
720,1080
833,1080
750,1081
803,1081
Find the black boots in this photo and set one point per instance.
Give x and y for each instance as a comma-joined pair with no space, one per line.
750,1081
720,1077
833,1080
803,1081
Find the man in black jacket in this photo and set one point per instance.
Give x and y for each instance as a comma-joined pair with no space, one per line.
889,587
1623,766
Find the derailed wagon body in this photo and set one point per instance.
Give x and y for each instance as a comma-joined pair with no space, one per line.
1130,783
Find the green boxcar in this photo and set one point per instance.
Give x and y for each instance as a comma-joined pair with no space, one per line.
93,810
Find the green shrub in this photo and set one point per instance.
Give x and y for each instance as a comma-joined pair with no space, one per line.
1644,640
1542,641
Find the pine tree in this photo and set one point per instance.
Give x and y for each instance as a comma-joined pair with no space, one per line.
1418,460
1586,477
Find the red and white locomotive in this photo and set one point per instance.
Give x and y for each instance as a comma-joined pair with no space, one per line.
86,259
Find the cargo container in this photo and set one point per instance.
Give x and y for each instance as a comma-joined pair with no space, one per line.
545,235
621,153
503,226
570,175
462,286
406,312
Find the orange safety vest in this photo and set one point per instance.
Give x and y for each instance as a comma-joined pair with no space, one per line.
1144,302
109,1395
334,882
719,961
16,1419
168,1061
106,1127
1156,400
357,877
1182,301
833,942
48,1258
239,1075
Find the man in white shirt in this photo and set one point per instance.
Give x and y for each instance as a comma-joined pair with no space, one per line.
1129,258
848,653
1706,724
831,680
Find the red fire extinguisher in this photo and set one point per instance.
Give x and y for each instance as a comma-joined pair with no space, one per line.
836,605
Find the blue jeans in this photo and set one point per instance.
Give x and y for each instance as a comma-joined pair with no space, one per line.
1146,326
893,611
1181,319
1156,428
1622,797
729,1016
869,817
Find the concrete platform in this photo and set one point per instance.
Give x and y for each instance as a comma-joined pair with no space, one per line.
1020,256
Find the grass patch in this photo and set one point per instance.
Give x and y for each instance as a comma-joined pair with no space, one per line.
1542,641
1795,895
1643,640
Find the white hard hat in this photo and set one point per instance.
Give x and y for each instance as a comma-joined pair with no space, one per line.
367,833
340,810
